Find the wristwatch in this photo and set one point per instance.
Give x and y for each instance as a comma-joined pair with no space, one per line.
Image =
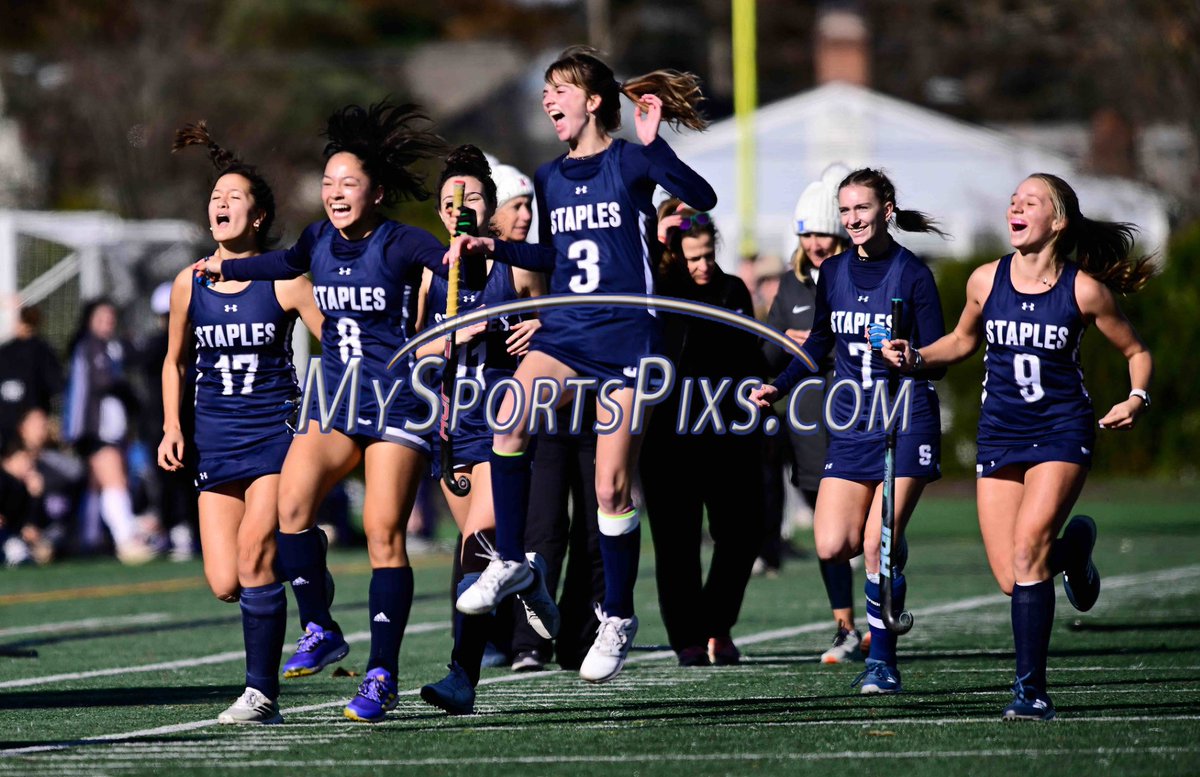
1141,394
918,361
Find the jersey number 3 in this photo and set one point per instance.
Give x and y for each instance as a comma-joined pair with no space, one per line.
586,255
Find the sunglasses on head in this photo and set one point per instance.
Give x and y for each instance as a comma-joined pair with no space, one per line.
698,220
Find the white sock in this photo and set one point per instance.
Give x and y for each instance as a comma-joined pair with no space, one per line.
116,509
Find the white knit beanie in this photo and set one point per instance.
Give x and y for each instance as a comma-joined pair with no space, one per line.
817,208
510,182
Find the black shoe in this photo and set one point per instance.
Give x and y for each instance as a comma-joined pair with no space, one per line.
1081,581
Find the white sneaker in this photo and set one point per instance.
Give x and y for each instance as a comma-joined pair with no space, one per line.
606,657
500,579
846,645
541,613
251,707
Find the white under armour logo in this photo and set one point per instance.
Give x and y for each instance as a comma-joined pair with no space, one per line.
1026,306
864,298
829,465
204,476
343,271
231,308
581,190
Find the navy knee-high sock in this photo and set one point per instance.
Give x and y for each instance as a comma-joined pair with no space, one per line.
390,600
510,500
883,642
620,550
1032,619
301,561
264,622
470,634
839,584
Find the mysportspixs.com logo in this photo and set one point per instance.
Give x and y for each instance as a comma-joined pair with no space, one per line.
703,403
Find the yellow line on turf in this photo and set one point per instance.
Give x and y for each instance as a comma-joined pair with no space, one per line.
174,584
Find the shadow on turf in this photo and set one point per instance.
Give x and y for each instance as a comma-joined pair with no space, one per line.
21,648
1192,625
120,697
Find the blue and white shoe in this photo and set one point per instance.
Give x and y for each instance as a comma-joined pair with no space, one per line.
375,698
878,678
1081,583
316,650
541,613
1028,703
453,693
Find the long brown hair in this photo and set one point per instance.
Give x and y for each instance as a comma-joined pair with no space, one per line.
1101,248
679,92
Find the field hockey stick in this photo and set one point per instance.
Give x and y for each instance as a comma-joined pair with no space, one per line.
459,486
902,623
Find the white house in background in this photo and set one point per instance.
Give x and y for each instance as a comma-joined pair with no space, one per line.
960,173
18,174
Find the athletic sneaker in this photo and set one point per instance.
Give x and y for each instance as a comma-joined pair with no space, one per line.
500,579
606,657
376,697
847,644
695,655
541,613
453,693
316,650
878,678
1081,582
722,652
1028,703
252,706
528,661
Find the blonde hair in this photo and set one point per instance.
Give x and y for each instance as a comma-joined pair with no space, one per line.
1101,248
803,266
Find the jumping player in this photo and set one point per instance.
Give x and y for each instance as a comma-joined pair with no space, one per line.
856,287
246,395
596,219
366,273
1036,426
487,352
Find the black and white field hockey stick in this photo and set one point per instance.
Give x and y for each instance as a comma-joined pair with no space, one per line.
460,485
902,623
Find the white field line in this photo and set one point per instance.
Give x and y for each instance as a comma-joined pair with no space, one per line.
376,763
1123,581
90,624
186,663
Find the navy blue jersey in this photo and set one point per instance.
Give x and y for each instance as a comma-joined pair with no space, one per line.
851,306
484,360
245,381
598,215
1033,388
486,357
367,290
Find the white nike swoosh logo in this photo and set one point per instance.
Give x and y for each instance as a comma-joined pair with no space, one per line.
800,309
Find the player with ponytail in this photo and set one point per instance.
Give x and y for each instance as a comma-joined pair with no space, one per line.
245,397
857,287
366,272
1037,426
596,218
